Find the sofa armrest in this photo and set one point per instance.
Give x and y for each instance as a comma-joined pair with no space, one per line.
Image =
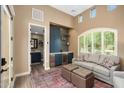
74,59
115,68
118,74
112,69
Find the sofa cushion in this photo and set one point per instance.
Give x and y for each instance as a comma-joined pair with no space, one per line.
94,58
112,58
80,57
107,63
85,56
101,76
101,70
102,58
87,65
77,59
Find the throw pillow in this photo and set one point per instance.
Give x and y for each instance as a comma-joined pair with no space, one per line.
107,63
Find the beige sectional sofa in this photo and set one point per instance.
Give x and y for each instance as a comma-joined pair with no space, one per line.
102,66
118,79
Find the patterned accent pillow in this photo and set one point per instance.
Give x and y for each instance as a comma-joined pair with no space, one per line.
82,57
107,63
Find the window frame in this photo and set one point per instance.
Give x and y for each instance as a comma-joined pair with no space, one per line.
80,18
102,30
110,8
91,11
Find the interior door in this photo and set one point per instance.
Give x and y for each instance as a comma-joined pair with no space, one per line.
6,64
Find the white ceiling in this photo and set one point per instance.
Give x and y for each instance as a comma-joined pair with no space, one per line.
72,9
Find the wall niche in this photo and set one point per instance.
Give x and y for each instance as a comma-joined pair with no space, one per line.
59,39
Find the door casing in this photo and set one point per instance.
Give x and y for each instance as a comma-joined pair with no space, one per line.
10,14
0,45
29,46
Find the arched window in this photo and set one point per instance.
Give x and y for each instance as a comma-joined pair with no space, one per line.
98,40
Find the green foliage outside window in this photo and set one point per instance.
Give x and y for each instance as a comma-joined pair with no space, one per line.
97,42
89,42
81,43
109,42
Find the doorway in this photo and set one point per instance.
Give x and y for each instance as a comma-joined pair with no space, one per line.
6,40
36,36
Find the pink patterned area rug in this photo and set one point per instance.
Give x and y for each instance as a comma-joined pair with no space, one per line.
53,79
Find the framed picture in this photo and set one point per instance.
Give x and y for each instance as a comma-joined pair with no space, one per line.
34,43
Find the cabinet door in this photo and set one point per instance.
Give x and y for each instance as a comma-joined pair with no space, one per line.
36,57
70,56
64,59
58,59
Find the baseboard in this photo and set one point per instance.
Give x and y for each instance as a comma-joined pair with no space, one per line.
12,85
47,68
18,75
22,74
35,63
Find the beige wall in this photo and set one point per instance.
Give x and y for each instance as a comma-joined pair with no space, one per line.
113,19
22,18
73,41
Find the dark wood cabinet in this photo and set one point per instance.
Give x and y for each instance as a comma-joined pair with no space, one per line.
36,57
60,58
64,59
52,60
70,56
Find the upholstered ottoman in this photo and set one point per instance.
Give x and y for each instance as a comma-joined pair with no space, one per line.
82,78
66,71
